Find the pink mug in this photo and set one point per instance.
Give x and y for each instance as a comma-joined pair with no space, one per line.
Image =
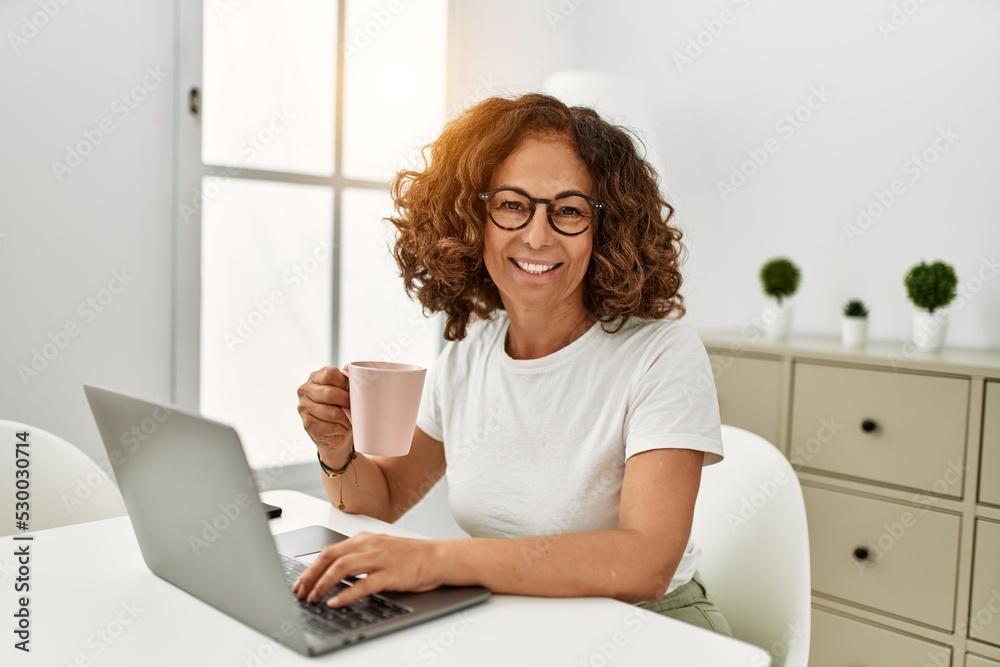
385,397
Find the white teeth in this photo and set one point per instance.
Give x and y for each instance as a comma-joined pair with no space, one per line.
536,269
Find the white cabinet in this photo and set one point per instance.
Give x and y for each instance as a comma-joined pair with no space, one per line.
878,554
984,611
901,429
750,395
899,461
989,470
839,641
977,661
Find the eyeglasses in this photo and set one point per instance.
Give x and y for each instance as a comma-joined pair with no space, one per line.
512,209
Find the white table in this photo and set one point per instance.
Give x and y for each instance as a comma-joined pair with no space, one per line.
93,602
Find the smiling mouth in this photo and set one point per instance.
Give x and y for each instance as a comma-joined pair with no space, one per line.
535,269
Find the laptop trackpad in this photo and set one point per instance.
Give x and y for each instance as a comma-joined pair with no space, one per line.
304,544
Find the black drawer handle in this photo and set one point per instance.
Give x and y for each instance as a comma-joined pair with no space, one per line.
869,425
861,553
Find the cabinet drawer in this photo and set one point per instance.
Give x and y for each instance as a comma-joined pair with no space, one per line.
976,661
989,471
984,608
838,641
918,437
912,555
749,393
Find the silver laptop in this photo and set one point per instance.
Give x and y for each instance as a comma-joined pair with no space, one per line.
201,526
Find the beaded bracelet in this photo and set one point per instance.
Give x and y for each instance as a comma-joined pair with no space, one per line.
333,474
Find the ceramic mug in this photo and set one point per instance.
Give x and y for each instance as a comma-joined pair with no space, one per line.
385,397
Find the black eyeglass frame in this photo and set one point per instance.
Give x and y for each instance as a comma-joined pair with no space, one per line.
486,196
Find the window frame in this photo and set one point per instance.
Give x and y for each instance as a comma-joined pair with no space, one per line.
190,171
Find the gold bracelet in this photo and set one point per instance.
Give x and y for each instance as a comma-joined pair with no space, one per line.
333,474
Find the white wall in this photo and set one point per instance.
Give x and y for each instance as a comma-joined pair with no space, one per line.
61,241
889,96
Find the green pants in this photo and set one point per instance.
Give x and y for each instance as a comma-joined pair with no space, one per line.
692,604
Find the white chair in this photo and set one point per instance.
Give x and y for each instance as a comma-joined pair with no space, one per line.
66,486
750,522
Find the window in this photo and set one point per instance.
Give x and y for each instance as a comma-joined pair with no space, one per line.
307,110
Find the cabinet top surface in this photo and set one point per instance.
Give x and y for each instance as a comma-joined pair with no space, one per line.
892,355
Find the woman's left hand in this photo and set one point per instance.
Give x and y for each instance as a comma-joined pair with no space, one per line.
390,563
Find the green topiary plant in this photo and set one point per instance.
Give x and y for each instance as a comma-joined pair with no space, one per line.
780,278
931,286
855,308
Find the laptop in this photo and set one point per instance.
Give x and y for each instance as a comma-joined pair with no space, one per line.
200,525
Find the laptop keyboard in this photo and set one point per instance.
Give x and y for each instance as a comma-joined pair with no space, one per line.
330,621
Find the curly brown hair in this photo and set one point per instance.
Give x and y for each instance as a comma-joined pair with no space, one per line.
634,269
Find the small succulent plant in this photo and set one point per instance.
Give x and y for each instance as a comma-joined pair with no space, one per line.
855,308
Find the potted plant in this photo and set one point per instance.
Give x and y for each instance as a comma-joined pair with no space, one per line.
854,324
930,287
780,279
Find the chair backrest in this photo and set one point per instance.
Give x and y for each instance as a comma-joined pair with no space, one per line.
66,486
750,522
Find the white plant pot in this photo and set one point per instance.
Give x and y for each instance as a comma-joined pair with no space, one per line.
929,330
853,331
777,319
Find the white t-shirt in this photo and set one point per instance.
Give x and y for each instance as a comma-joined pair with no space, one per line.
537,447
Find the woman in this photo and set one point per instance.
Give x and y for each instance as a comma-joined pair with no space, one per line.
566,409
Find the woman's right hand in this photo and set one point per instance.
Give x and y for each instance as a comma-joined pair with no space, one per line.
322,400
